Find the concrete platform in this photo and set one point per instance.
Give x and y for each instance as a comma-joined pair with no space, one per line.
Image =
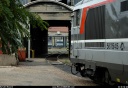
37,72
8,60
55,62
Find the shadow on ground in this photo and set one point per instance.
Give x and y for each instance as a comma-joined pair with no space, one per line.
34,62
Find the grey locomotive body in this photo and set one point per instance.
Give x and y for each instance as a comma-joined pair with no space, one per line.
99,40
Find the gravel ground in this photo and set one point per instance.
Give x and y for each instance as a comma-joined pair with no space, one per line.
57,50
67,69
40,72
64,64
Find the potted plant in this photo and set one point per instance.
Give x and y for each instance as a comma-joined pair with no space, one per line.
15,22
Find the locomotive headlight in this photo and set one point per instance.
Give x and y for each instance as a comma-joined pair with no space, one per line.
117,79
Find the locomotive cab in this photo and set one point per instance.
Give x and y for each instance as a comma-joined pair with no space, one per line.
99,40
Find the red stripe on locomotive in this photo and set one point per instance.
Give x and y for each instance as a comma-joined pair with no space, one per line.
84,13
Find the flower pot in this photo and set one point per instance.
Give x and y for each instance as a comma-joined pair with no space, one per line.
1,47
22,54
1,52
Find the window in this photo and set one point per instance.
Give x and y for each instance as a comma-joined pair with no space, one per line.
77,2
95,23
24,2
124,6
77,17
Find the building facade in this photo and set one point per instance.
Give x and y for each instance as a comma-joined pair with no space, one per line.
68,2
56,14
57,36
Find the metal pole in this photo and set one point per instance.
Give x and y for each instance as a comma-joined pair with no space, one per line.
28,48
29,45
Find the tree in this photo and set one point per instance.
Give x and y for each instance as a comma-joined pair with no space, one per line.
14,25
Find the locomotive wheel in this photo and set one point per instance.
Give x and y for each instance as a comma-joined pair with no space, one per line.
83,73
107,78
99,76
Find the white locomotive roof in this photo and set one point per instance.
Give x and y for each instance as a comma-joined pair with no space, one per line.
86,3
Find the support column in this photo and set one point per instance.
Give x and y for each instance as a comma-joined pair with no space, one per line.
29,48
29,44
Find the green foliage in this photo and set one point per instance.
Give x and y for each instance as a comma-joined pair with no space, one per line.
14,24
